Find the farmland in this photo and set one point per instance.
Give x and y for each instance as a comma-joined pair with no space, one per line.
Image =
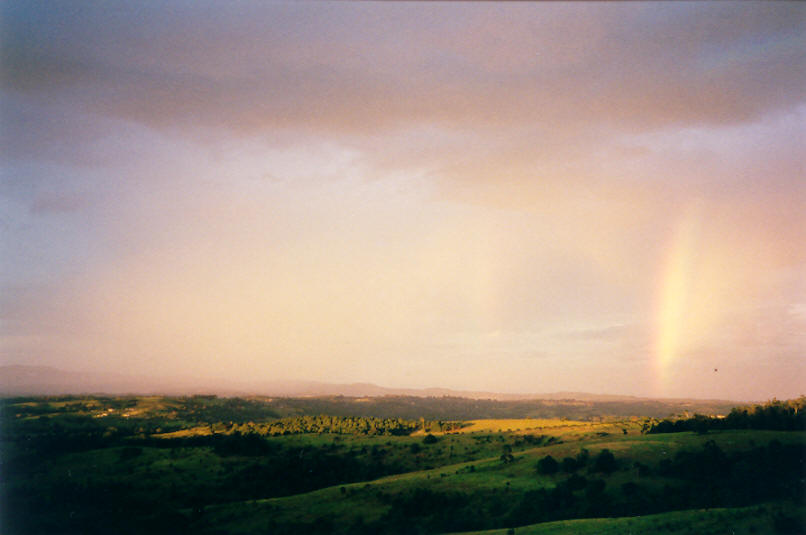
229,465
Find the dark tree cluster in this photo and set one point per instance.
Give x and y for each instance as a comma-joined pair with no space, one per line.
211,409
775,415
457,408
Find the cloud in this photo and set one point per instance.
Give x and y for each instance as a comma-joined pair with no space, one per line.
602,333
386,67
386,191
50,203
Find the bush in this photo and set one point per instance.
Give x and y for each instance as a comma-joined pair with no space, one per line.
642,469
605,462
547,465
595,487
629,489
430,439
130,452
570,465
582,458
576,482
787,524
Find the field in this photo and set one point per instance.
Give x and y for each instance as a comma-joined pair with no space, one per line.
765,518
210,465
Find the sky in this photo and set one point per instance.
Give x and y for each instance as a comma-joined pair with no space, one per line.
518,197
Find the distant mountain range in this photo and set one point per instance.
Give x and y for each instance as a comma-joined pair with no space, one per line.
21,380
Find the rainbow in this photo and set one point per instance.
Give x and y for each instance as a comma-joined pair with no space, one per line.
675,292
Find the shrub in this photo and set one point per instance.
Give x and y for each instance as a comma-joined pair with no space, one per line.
130,452
582,457
570,465
576,482
629,489
605,462
547,465
430,439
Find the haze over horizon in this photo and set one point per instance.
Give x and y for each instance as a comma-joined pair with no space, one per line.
518,197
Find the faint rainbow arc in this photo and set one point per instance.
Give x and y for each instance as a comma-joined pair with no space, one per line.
675,287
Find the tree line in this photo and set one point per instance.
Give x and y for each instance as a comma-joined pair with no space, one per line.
774,415
345,425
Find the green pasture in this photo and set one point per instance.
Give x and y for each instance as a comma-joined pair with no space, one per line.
175,463
761,519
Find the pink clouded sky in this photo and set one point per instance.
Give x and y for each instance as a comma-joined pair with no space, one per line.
517,197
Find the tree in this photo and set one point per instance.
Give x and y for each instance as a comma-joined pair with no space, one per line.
582,457
570,465
430,439
576,482
605,462
547,465
629,489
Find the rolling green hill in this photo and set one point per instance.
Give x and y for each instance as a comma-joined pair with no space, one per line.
220,465
764,518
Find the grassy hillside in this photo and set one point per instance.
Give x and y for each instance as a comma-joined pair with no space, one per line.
765,518
486,490
211,465
213,408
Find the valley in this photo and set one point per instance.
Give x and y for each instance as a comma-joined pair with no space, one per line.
203,464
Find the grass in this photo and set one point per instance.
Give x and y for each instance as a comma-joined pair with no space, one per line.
468,462
549,426
514,424
490,475
757,519
200,430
